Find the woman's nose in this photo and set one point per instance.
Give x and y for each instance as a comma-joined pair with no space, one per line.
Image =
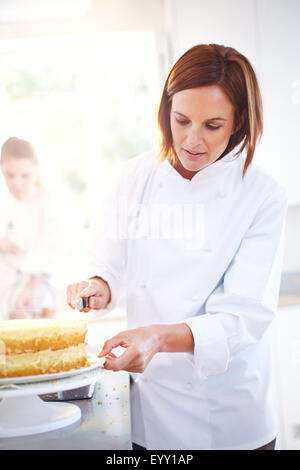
16,184
194,138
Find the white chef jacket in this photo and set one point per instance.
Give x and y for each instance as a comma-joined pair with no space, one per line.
34,225
223,283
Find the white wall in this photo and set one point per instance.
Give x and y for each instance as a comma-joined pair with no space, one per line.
229,22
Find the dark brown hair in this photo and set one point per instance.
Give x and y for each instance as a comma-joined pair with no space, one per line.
214,64
18,148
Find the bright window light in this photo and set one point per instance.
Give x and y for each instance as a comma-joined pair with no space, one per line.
36,10
87,103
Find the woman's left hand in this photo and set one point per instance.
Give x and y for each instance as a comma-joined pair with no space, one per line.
141,344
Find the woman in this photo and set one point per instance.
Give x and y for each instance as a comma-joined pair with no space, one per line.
29,228
206,293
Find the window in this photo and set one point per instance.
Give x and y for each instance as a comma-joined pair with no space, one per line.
86,102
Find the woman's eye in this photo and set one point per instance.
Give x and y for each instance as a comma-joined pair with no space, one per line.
182,123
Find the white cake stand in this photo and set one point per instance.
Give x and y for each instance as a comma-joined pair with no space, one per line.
23,413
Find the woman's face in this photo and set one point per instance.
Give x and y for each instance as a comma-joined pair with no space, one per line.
202,121
20,174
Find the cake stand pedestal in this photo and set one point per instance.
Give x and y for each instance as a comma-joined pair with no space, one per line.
23,412
31,415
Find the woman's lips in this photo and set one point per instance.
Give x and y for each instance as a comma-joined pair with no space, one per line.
193,154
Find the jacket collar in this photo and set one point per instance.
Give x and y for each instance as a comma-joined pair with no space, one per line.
214,169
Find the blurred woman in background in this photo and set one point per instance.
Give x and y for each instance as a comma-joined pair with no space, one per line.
29,228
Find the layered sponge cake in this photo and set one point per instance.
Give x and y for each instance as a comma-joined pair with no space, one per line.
41,346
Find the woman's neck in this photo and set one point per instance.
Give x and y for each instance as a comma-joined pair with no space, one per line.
187,174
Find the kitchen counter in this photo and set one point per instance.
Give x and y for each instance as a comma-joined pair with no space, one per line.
288,299
105,418
105,421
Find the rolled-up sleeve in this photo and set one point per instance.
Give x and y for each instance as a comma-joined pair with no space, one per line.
240,309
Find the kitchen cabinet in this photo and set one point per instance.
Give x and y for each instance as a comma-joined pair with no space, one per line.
286,371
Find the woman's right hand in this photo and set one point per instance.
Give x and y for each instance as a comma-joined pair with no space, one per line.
96,289
6,246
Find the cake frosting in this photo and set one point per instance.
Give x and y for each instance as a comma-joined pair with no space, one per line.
41,346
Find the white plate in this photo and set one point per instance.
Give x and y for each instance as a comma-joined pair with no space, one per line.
95,362
50,386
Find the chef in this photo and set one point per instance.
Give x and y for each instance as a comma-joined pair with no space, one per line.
195,240
29,234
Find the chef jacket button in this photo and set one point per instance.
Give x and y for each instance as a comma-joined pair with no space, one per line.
188,386
142,284
160,185
221,193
